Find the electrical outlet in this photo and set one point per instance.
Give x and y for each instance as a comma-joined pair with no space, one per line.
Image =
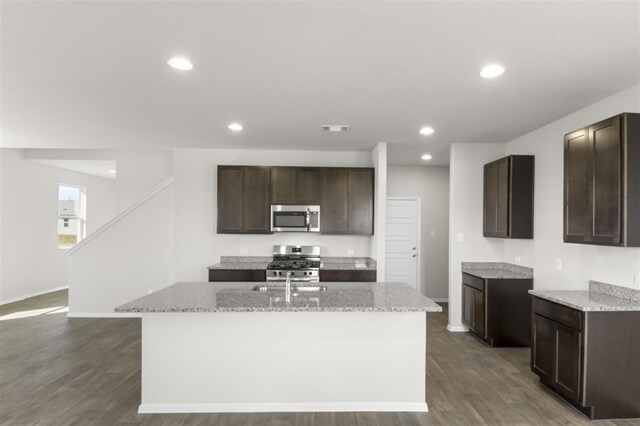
518,259
351,252
460,237
559,264
244,251
432,233
150,291
637,279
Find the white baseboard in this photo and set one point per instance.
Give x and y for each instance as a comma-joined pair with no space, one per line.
445,300
284,407
457,328
103,315
37,293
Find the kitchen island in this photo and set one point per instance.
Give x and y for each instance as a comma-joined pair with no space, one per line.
225,347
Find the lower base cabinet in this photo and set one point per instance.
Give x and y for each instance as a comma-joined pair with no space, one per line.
223,275
347,275
588,358
497,310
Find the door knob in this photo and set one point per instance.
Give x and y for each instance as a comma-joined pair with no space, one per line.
414,255
414,248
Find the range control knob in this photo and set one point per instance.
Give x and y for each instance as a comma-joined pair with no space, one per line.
279,273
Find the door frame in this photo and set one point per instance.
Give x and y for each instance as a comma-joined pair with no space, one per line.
418,231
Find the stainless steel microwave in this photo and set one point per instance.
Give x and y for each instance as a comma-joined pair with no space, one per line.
295,218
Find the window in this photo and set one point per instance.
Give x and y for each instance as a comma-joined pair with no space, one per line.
72,215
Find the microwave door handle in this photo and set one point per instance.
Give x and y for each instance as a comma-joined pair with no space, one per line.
308,219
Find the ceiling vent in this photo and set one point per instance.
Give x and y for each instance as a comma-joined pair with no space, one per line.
335,128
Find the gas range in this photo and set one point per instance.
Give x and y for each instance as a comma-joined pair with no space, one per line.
302,263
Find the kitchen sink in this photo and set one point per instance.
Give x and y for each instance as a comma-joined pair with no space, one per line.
294,288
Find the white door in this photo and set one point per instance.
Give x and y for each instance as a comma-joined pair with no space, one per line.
401,244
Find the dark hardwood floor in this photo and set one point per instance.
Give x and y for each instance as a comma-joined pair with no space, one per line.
59,371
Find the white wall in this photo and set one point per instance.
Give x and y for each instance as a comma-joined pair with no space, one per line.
466,175
431,185
580,263
198,245
126,260
30,258
139,171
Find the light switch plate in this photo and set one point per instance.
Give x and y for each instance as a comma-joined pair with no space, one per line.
460,237
518,259
351,252
150,291
244,251
432,233
559,264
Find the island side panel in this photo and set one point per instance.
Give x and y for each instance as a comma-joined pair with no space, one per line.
287,361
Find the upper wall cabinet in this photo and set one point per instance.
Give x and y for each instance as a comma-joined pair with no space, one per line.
245,193
243,200
602,183
508,197
295,185
346,205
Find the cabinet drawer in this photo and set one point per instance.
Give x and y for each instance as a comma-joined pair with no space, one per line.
561,314
471,281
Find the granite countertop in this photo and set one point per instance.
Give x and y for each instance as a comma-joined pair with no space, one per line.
239,297
599,297
327,263
497,270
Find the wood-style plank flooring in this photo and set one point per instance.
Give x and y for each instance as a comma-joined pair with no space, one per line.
60,371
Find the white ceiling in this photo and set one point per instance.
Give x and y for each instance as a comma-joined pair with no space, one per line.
94,74
90,167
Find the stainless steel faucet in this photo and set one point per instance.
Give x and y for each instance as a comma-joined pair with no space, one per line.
287,283
287,289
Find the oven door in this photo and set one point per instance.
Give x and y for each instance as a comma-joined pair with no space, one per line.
295,218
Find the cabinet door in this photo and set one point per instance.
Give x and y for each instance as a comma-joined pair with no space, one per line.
479,312
491,199
577,173
230,199
256,207
467,305
568,355
308,186
543,347
502,198
333,210
360,201
283,185
606,154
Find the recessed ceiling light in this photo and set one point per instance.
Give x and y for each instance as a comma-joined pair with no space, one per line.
426,131
236,127
426,157
492,71
112,171
181,64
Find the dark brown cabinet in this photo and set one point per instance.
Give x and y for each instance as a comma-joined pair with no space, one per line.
340,275
243,275
346,205
588,358
345,196
243,200
295,185
283,185
497,310
508,197
602,183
